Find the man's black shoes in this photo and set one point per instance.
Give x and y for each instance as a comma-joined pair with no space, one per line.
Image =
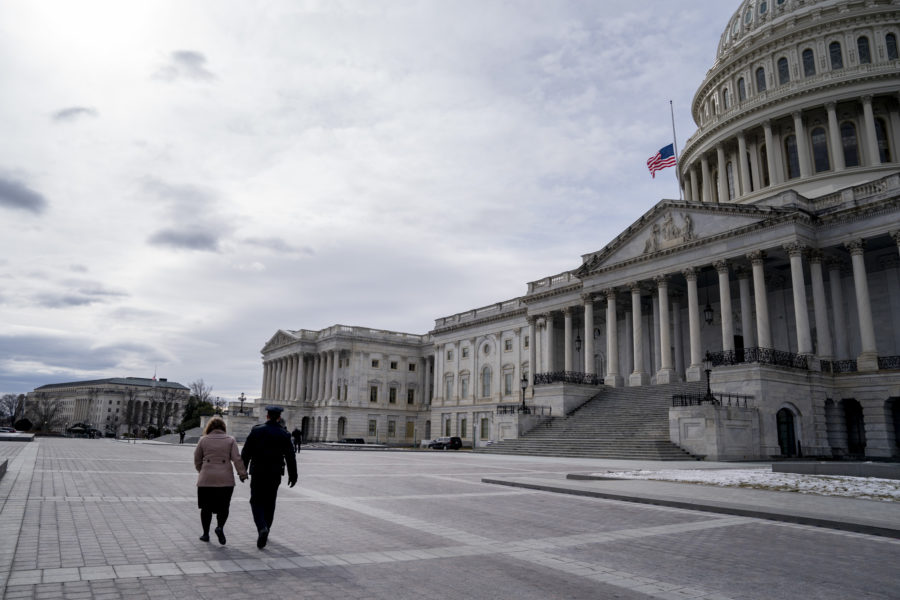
221,535
263,537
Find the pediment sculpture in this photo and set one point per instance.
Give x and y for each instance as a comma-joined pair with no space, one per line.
667,234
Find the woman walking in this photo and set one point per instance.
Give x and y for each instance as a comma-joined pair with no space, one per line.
215,453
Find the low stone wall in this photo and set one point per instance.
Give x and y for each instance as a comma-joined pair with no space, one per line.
16,437
563,398
849,469
716,432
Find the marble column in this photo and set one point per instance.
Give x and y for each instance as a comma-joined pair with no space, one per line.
686,185
436,376
868,358
678,335
567,338
292,381
707,181
896,236
744,168
301,378
692,373
265,385
279,379
747,328
317,372
695,189
873,156
551,340
763,329
723,179
666,373
774,173
613,378
725,306
801,311
823,331
532,351
834,135
628,354
638,376
336,361
841,350
802,144
589,367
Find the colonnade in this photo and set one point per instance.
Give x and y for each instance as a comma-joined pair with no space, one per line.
146,412
757,331
780,149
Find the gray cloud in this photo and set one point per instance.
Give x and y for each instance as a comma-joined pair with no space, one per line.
16,195
74,112
51,300
93,289
180,196
279,245
185,240
185,64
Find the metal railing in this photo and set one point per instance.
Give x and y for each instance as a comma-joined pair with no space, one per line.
567,377
839,366
511,409
888,363
715,398
763,356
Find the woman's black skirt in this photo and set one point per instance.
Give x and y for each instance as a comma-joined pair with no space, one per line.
214,499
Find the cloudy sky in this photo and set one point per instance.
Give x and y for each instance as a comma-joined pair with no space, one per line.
179,180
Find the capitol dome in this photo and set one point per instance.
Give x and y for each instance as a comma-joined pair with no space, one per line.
803,95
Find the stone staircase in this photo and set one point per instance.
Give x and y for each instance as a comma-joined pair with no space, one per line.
620,423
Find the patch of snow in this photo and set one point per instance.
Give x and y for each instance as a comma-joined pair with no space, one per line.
869,488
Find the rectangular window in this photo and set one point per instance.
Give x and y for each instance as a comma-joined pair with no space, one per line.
527,341
345,392
412,367
447,427
410,430
462,428
464,387
373,393
448,388
485,428
507,383
373,427
507,345
374,363
393,365
392,395
465,352
410,396
449,354
392,428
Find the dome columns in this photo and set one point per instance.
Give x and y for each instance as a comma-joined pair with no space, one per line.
834,132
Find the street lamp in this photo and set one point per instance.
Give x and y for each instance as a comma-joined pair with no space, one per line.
707,366
242,398
524,384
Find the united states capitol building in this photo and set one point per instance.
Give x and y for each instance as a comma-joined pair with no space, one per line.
778,273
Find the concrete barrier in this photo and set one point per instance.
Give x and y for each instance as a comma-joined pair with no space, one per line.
847,469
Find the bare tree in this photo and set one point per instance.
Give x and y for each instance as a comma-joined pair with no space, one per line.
8,405
46,413
201,391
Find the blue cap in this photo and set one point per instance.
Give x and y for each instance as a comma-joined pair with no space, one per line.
274,409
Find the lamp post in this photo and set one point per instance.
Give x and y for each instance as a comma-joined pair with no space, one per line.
524,384
242,398
707,366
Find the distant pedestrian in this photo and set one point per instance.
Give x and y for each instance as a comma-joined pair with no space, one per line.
298,438
181,436
214,456
267,450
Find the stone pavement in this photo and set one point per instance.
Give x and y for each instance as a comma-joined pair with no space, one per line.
107,519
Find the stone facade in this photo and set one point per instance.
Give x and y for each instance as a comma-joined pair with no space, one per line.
781,262
116,405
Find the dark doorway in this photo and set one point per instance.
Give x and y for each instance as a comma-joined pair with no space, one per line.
738,348
787,437
304,428
893,406
856,428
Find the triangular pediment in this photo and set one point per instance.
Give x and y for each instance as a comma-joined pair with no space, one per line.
671,225
281,338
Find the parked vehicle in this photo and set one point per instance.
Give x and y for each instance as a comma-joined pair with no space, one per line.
446,443
7,430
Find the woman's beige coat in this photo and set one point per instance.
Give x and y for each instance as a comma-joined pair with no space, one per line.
213,457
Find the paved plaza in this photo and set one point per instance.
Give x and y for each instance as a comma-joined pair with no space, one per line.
108,519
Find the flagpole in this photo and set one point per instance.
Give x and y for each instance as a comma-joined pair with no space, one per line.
675,147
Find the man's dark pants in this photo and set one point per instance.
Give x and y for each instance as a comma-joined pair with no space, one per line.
263,493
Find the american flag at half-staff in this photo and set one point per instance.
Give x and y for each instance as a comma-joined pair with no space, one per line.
662,159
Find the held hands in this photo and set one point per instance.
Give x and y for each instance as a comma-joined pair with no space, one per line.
243,478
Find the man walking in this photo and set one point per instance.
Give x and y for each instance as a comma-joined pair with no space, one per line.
298,438
267,449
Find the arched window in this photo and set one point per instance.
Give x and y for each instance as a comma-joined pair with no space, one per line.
884,149
850,145
763,7
486,382
760,80
862,46
742,90
764,165
784,74
790,153
837,59
820,149
725,101
809,63
890,42
729,177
